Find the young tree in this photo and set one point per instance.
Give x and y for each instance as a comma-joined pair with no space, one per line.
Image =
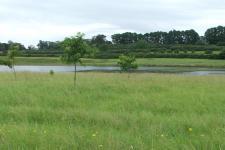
76,48
127,63
12,53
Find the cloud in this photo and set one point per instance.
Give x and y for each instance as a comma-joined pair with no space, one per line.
28,21
35,31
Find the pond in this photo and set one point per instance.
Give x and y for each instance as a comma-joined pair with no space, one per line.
171,70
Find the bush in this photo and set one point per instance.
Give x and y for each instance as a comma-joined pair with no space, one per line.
127,62
208,52
220,44
51,72
222,55
141,44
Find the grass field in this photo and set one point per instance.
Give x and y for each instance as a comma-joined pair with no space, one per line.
112,111
113,62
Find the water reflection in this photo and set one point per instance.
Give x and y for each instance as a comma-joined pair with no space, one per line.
175,70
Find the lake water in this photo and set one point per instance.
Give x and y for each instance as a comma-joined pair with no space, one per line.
173,70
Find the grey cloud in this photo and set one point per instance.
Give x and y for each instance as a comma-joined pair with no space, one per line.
124,15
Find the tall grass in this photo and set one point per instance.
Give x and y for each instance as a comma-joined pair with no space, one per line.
113,62
111,111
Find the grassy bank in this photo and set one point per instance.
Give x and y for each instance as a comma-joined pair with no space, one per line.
111,111
113,62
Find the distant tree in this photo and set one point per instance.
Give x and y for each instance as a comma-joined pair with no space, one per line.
100,42
220,44
127,63
32,47
126,38
201,41
99,39
48,45
215,35
19,46
4,47
141,44
175,37
12,53
191,37
208,52
54,45
182,37
147,37
42,45
158,37
76,48
222,54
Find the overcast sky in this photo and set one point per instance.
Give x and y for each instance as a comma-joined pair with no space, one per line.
28,21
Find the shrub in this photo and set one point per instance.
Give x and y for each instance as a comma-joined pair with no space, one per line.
208,52
127,63
222,55
220,44
51,72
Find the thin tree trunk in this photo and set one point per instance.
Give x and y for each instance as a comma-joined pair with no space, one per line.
14,70
128,73
75,73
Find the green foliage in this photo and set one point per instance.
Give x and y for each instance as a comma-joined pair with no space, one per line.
76,48
153,44
161,50
127,63
6,63
215,35
208,52
221,44
222,54
126,38
141,44
5,47
51,72
48,45
99,40
172,37
156,37
12,53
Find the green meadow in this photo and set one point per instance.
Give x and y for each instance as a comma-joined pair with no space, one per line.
183,62
111,111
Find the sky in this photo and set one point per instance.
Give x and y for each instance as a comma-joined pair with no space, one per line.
28,21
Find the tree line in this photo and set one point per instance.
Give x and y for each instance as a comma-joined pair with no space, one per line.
172,37
213,36
6,46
